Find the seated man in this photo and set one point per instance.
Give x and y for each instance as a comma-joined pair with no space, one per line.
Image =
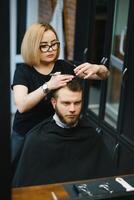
64,147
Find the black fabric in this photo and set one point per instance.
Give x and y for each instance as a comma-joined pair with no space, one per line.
52,154
29,77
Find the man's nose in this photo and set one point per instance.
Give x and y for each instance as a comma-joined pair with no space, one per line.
72,107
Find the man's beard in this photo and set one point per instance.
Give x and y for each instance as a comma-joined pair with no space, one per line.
66,120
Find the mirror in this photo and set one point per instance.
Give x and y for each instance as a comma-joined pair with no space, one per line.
97,42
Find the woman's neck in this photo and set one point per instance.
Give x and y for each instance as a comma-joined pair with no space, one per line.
44,68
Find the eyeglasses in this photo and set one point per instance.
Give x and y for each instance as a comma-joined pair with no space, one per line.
45,47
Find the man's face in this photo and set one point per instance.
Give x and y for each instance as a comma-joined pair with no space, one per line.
68,105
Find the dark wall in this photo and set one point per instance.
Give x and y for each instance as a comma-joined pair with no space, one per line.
4,101
128,118
83,26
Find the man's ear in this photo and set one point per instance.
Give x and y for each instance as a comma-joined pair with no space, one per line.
53,101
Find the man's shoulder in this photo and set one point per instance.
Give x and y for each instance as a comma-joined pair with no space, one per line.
85,121
36,130
86,126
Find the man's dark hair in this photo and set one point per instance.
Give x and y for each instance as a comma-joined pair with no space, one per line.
74,85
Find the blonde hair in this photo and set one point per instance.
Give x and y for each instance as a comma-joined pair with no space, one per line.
31,42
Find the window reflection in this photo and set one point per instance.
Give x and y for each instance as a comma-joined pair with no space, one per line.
116,62
97,52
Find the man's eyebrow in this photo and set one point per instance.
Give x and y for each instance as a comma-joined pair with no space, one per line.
43,42
65,101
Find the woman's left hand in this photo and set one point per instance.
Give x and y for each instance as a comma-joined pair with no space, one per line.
91,71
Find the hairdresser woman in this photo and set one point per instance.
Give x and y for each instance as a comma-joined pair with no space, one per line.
35,79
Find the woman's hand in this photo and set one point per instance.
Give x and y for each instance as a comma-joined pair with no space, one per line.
91,71
58,81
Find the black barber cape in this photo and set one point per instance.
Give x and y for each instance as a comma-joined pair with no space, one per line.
52,154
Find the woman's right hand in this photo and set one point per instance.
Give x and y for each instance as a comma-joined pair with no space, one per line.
58,81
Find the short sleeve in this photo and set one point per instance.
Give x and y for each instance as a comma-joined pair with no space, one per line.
21,75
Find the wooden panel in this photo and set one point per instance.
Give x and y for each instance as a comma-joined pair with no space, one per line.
43,192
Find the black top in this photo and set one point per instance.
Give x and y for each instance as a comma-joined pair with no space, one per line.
53,154
28,76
